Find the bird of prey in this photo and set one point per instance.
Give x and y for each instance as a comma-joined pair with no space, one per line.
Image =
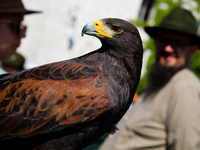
70,104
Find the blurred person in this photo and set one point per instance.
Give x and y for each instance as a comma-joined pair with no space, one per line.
13,63
11,16
167,115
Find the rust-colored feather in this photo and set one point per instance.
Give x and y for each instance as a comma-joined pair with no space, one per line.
69,101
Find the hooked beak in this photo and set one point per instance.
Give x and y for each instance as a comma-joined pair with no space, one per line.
89,29
98,29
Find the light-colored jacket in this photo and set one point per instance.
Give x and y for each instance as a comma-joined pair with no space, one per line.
168,120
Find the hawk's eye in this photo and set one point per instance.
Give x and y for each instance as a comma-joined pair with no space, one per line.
117,29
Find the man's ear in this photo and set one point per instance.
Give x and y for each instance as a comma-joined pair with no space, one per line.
194,48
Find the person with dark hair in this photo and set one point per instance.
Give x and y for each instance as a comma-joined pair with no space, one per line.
167,115
11,16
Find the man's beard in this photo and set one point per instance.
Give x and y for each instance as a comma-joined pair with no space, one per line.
160,75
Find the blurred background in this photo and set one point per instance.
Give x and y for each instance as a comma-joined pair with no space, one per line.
55,34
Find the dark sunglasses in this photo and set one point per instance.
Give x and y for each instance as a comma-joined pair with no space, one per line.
17,27
177,45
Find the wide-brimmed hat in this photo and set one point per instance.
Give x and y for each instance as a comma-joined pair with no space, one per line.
14,6
180,20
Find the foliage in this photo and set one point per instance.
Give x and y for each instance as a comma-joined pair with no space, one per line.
196,63
162,8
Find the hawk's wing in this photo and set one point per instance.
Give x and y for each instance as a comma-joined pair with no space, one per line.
44,98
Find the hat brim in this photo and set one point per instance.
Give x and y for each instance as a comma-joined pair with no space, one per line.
18,10
153,32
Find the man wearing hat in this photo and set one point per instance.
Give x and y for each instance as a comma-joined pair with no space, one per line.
11,16
167,115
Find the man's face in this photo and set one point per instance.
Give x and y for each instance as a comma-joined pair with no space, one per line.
174,49
10,36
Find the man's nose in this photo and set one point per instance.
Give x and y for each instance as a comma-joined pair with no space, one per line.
22,32
168,48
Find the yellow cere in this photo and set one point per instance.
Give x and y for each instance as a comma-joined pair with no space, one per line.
102,29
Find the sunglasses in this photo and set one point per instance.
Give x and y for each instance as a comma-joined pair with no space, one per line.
177,45
16,26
